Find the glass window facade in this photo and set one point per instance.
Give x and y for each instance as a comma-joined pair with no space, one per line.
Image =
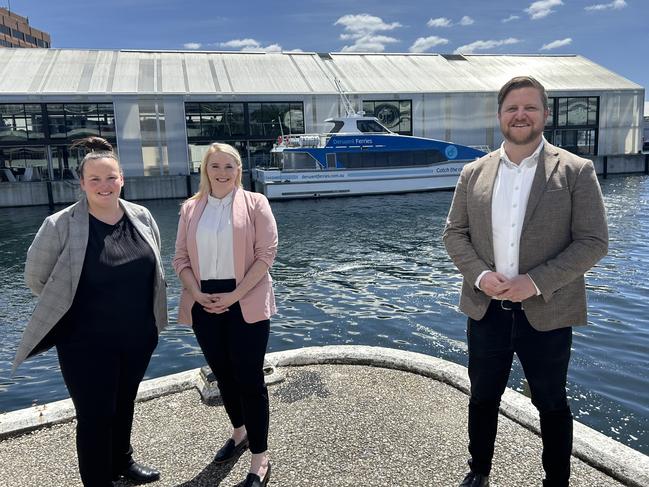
20,122
394,114
154,140
27,130
573,124
270,120
250,127
215,120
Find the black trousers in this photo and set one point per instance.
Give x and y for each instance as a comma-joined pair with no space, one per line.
235,352
102,379
544,356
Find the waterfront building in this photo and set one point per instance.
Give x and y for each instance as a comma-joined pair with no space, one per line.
15,31
161,109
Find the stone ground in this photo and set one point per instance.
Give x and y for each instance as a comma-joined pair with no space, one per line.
331,425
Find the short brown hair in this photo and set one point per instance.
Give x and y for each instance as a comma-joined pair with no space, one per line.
522,82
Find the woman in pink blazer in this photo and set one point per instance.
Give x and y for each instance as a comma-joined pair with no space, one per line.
227,241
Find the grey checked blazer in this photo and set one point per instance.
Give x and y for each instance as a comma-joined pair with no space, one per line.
564,234
54,264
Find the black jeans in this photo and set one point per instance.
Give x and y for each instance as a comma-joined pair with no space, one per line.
102,380
544,357
235,352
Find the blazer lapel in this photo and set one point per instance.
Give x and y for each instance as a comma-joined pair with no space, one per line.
548,160
486,190
78,241
192,246
239,226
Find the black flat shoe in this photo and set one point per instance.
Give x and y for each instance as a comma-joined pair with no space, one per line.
140,474
253,480
230,450
473,479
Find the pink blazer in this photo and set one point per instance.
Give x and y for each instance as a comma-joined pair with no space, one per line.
254,233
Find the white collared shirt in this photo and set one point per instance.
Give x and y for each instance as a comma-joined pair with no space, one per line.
508,205
214,239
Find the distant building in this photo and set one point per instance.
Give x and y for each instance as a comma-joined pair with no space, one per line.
15,31
161,110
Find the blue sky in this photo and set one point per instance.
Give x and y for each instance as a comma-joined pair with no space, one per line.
613,33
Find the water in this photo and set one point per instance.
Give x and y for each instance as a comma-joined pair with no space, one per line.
373,271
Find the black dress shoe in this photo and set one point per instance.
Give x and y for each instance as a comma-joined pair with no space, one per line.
253,480
230,450
140,474
473,479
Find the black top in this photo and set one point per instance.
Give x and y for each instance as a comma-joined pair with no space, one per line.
114,299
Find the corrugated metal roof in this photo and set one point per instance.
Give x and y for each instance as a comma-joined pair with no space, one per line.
68,71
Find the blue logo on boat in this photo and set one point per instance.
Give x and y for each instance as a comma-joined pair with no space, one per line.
451,151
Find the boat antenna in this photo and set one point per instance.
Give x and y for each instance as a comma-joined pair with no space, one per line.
281,130
349,108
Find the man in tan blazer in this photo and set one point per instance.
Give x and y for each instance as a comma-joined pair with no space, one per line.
526,223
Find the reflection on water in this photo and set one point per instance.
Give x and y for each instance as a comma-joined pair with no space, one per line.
373,271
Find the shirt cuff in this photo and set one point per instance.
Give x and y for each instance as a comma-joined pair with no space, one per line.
477,281
538,291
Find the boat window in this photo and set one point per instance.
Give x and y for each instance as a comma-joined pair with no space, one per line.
367,159
298,160
371,127
337,126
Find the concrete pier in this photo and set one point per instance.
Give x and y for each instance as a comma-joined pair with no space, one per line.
340,416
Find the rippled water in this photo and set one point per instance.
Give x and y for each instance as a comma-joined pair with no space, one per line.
373,271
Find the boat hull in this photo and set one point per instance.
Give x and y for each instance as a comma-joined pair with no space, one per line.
278,185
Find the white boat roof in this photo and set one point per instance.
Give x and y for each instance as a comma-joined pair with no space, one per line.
77,71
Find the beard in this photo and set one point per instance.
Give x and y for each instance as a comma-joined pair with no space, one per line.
521,138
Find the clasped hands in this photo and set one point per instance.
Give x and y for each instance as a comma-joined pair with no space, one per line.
516,289
216,303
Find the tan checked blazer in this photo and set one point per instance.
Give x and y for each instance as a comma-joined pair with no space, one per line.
564,234
54,263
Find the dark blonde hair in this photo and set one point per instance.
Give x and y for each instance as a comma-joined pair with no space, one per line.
204,187
99,149
522,82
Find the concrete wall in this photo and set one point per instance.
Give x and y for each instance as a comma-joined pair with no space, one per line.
135,188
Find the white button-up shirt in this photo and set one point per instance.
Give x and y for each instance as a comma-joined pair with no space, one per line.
508,205
214,239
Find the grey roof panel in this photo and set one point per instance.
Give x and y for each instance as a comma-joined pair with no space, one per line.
101,74
44,71
127,71
199,74
172,73
19,68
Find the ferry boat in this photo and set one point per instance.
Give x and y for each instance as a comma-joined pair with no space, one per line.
359,156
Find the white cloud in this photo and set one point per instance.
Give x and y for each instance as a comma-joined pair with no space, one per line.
192,45
466,20
615,5
542,8
439,22
484,45
556,44
240,43
364,24
364,30
423,44
510,18
250,45
370,44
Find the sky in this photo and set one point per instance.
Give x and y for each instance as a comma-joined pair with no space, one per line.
612,33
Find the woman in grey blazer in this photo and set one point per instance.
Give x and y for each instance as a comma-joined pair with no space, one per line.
96,269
